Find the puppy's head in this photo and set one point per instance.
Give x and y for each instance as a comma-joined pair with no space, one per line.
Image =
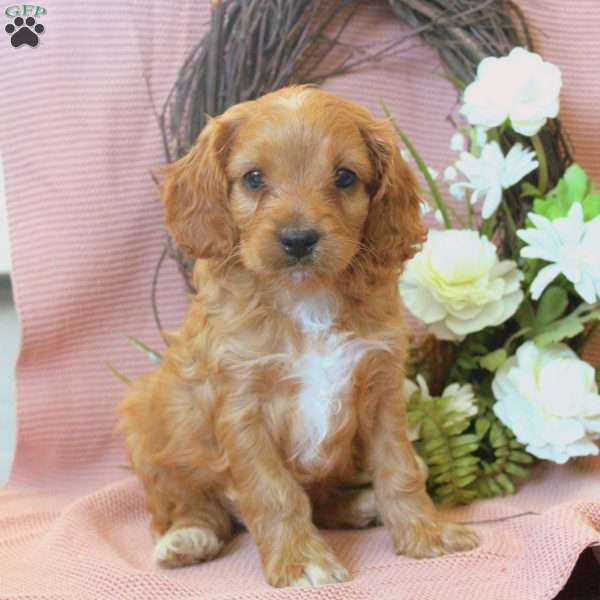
297,185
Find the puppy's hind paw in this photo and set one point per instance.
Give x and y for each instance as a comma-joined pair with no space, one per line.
186,546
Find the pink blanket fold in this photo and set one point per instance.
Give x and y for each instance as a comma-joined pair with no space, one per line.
79,140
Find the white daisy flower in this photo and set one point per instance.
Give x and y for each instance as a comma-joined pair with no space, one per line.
450,173
493,172
571,246
457,142
457,190
481,136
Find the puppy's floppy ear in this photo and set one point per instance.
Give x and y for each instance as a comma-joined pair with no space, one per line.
195,194
394,228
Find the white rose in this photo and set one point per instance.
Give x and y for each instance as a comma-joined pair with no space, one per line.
521,87
457,285
549,398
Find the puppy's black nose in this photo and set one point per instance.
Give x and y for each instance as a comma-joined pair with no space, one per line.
298,243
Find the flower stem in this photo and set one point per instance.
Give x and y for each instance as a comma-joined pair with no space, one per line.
469,211
435,192
511,225
543,163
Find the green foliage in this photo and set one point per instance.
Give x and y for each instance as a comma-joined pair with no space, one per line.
574,186
446,449
503,458
153,355
467,457
547,324
494,360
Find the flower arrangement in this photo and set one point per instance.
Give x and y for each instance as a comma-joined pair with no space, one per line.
508,290
509,293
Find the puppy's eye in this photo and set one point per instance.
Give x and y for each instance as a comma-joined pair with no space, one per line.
253,180
345,178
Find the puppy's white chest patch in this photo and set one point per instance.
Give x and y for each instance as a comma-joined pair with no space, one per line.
325,370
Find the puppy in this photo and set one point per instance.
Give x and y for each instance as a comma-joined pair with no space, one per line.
285,381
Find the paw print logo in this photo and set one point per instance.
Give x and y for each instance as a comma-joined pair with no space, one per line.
24,31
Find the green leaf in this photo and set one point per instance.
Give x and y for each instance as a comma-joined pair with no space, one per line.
461,440
591,206
444,477
497,436
568,327
525,316
574,186
153,355
119,375
494,360
529,190
482,426
520,457
516,470
551,306
577,182
435,444
505,483
466,480
466,449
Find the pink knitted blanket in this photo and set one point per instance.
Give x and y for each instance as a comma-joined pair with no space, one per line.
79,140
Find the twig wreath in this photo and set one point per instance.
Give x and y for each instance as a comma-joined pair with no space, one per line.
486,393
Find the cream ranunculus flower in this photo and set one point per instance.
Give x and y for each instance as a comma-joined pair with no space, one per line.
549,398
457,285
521,87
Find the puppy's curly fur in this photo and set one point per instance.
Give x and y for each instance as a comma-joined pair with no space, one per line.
285,380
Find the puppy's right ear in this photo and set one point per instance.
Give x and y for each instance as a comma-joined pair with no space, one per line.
195,195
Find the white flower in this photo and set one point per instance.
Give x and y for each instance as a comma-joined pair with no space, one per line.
460,400
450,173
432,173
573,248
457,190
438,216
425,208
520,87
457,285
410,387
549,398
457,142
493,172
481,137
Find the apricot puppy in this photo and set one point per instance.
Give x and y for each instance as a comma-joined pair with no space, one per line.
285,380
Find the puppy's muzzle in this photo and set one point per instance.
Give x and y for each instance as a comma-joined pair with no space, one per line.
299,243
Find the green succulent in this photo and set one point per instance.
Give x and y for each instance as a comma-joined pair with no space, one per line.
574,186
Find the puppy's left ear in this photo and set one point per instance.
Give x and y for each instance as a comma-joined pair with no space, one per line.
195,194
394,228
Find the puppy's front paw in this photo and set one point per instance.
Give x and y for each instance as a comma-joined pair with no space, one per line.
186,546
426,538
308,563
